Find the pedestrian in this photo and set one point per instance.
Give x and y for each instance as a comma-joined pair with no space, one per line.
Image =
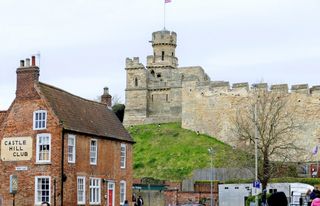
126,203
307,198
314,193
316,202
45,204
134,199
278,199
140,201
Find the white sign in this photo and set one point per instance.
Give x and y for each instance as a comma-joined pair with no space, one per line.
16,148
22,168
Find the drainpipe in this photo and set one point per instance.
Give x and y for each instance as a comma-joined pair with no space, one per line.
62,166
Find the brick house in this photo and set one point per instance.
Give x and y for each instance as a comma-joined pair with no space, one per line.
61,148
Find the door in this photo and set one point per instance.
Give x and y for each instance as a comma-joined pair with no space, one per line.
111,193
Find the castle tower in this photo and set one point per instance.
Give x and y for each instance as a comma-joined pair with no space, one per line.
136,92
163,60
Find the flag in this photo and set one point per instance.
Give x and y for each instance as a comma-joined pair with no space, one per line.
315,150
167,1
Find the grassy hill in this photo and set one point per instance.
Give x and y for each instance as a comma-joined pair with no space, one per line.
172,153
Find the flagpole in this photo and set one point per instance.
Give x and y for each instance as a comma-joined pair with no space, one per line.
164,15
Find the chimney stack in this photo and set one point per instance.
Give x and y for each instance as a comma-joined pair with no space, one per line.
106,97
33,61
27,77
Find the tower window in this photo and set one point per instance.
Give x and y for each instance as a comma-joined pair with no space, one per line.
136,81
152,72
167,97
162,55
172,54
158,75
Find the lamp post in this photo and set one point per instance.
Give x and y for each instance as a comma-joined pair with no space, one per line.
256,152
210,150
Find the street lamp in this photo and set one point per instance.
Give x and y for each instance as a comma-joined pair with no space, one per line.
256,152
211,152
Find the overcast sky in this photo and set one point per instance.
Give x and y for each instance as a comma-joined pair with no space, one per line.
84,43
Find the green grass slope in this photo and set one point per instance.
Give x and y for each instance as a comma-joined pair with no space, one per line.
169,152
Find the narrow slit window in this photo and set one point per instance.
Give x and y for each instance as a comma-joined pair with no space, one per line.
136,82
162,55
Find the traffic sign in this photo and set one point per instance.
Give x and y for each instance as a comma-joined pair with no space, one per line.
256,184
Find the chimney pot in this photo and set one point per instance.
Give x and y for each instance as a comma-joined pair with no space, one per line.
105,91
28,62
33,61
21,63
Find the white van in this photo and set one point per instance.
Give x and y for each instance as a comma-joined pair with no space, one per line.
236,194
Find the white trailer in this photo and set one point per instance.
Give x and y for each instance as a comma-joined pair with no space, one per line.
236,194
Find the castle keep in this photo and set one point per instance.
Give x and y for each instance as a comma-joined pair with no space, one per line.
154,92
163,92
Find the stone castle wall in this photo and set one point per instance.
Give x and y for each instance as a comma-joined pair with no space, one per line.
163,92
211,109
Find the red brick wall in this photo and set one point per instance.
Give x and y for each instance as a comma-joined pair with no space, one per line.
108,167
202,190
174,197
19,123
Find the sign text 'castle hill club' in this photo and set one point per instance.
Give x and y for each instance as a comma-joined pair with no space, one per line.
16,149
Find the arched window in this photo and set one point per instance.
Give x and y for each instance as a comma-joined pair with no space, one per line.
136,82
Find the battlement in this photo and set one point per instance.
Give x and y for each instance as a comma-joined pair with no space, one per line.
134,63
280,88
224,86
240,85
164,37
260,86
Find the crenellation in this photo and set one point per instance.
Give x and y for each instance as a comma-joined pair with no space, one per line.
134,63
164,37
241,85
280,88
315,90
300,88
263,86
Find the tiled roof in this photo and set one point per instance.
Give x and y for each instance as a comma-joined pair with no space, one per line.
2,115
84,116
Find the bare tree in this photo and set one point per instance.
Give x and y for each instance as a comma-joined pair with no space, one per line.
270,120
116,99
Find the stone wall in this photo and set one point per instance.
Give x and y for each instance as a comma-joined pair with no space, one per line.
168,93
212,110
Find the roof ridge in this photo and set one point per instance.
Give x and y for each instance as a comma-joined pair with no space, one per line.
81,98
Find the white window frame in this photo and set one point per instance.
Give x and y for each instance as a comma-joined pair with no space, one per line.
83,191
123,156
94,154
72,152
36,189
40,121
95,197
38,149
123,191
